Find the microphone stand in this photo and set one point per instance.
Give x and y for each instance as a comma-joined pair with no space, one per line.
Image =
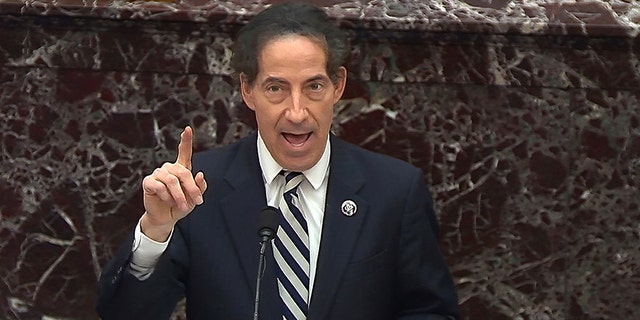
268,221
261,267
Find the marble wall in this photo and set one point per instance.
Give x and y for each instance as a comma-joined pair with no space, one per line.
524,116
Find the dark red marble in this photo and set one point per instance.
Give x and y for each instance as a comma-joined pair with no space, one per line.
523,115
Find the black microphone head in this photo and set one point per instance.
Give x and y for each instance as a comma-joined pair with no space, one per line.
268,222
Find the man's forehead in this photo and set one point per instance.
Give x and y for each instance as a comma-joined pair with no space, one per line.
321,44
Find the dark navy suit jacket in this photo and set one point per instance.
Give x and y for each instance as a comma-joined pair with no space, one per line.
383,262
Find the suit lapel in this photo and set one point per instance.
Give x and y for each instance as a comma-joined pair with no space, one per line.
339,231
240,207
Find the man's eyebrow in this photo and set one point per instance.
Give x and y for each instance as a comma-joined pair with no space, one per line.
274,79
318,77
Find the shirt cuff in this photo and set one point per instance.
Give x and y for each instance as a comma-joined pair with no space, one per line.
145,253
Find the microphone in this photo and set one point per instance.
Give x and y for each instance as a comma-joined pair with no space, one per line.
268,222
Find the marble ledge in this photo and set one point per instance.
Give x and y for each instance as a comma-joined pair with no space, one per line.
614,18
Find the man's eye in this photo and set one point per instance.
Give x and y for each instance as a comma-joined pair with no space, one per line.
315,86
273,88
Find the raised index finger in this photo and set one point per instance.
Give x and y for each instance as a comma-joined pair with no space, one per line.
185,148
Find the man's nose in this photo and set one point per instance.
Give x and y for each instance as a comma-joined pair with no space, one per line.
297,110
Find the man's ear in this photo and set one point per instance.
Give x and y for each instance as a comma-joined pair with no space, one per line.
246,90
339,84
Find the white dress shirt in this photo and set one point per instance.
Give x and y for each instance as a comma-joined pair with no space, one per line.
312,193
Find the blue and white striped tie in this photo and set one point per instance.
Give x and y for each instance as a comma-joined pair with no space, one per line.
291,252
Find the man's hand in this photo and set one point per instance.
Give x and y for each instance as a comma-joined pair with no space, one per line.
171,192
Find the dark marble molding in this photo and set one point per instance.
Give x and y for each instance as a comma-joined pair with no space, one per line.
595,18
400,56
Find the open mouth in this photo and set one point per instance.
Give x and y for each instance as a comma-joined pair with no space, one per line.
296,140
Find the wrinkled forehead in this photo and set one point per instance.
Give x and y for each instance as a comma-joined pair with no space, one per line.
319,40
294,56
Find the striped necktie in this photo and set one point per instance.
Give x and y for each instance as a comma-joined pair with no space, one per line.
291,252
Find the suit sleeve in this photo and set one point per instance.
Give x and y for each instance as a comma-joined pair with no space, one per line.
123,296
426,288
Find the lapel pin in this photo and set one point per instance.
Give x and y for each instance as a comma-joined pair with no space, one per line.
349,208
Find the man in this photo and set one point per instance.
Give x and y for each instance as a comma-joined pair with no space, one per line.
366,232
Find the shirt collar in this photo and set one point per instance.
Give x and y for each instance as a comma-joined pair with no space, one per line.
270,168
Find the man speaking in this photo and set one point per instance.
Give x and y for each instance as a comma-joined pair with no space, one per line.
356,234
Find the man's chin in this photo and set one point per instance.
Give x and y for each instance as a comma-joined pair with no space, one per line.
297,161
